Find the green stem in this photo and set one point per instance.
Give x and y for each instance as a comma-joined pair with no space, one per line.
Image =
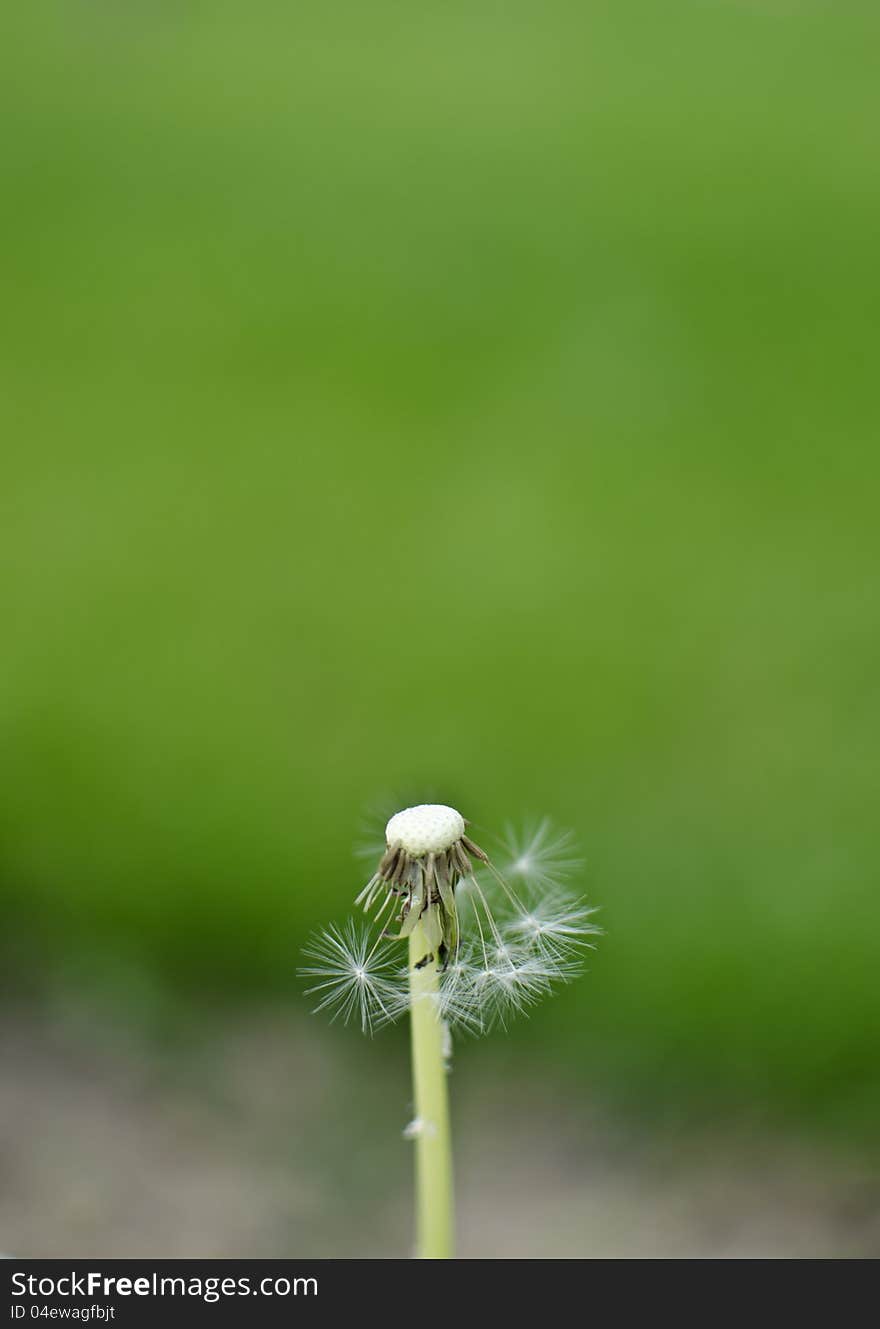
433,1146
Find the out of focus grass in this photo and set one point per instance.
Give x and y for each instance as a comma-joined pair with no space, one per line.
475,398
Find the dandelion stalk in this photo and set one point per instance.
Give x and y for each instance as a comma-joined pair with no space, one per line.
433,1170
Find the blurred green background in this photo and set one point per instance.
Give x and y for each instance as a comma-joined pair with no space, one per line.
475,401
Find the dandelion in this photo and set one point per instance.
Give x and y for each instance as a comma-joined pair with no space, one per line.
485,943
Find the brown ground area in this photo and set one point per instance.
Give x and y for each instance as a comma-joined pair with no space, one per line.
265,1137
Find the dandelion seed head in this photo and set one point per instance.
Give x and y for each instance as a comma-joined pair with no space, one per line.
500,934
429,828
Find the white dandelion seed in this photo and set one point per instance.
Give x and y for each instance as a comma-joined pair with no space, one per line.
418,1127
540,856
446,1045
555,927
354,977
507,987
460,997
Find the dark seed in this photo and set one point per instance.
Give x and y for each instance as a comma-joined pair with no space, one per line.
474,849
462,862
388,860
